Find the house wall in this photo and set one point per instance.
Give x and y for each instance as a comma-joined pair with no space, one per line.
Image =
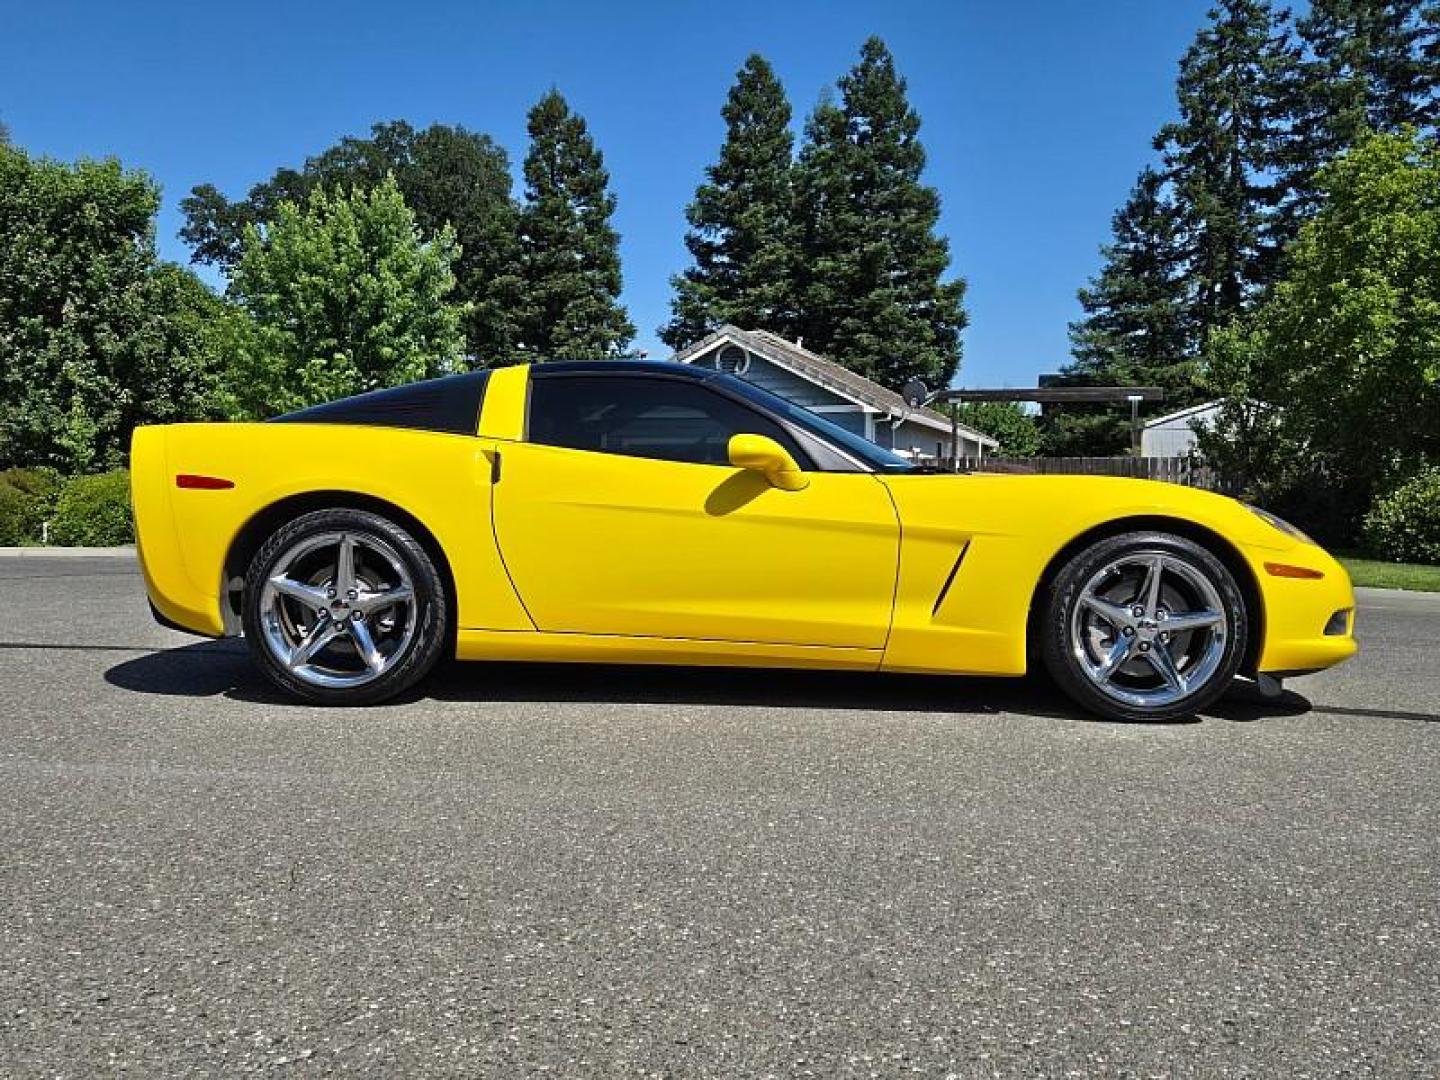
777,380
911,437
1174,438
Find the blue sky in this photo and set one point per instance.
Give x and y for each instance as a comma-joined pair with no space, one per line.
1036,115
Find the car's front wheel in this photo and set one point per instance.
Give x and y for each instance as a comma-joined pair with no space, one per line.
1144,626
344,607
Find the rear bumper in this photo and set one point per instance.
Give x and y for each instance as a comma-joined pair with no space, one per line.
171,624
174,598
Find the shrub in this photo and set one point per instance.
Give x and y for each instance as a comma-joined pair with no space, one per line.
1404,525
26,499
94,511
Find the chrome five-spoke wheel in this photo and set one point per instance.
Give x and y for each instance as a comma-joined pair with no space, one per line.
338,609
1148,626
342,607
1145,626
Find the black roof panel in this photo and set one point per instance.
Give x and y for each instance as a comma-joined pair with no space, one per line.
450,405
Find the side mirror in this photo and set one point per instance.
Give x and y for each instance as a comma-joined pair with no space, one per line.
764,455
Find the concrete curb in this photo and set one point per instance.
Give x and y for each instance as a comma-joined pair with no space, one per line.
125,552
1412,597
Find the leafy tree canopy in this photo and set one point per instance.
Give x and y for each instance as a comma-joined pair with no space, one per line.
340,296
1332,388
96,334
1016,430
449,177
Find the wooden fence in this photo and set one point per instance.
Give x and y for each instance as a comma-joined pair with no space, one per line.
1175,470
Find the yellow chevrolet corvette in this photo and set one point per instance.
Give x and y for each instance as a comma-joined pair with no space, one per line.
631,512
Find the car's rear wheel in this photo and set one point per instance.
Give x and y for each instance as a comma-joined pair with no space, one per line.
344,607
1144,626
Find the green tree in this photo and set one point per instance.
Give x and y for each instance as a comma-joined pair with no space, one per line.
873,294
340,296
1332,388
96,335
1219,152
1137,328
569,252
743,236
1364,65
449,176
1017,431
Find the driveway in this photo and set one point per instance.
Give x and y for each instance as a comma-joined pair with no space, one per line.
606,871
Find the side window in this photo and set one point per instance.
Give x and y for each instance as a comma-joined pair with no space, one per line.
670,419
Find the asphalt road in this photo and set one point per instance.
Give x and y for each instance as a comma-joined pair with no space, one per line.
620,872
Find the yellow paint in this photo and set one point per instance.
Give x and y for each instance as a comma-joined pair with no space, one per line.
614,649
443,481
624,559
762,454
604,544
507,395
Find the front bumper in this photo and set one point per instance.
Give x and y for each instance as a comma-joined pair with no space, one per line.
1299,611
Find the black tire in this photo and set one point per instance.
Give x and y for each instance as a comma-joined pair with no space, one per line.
1063,648
404,666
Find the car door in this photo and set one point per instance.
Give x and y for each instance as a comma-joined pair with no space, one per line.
620,514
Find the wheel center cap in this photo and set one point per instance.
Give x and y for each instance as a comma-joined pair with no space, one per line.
338,609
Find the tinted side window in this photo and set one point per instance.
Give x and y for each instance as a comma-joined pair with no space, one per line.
670,419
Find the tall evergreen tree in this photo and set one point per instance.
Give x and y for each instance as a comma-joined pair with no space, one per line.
1194,246
1219,153
449,176
569,252
1137,328
742,225
1366,65
872,293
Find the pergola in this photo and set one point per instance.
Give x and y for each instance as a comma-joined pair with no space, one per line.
916,394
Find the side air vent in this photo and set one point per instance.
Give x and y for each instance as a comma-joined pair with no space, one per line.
450,405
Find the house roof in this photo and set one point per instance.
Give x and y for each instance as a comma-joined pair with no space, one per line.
828,374
1182,414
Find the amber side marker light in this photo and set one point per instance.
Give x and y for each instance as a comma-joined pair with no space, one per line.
1280,569
203,483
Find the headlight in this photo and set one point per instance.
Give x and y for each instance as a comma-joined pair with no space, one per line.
1280,523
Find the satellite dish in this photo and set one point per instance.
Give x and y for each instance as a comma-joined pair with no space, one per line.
915,393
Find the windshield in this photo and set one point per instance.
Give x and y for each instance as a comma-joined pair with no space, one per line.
877,457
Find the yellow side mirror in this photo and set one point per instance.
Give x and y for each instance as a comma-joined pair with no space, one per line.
764,455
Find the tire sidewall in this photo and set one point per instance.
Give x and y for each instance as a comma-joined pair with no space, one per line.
1064,667
430,610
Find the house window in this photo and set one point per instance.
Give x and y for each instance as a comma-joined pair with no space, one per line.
732,359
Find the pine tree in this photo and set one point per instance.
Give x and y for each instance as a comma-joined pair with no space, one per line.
1137,328
1219,152
872,292
1366,65
569,253
742,224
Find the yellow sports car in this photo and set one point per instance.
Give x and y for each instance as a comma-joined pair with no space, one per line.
631,512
